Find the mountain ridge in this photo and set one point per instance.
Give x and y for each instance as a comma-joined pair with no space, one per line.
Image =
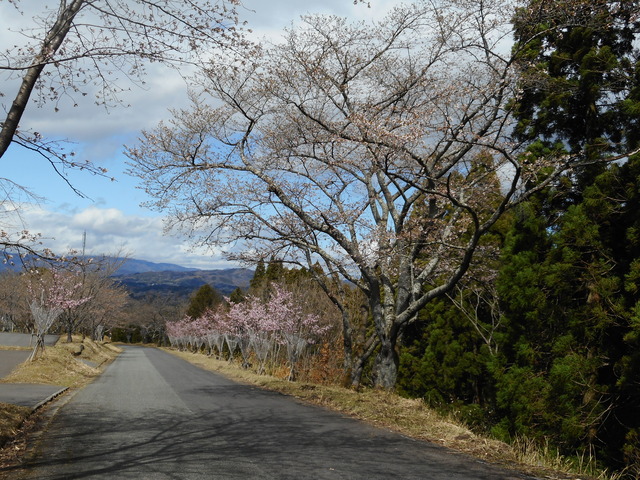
128,265
143,278
134,265
184,283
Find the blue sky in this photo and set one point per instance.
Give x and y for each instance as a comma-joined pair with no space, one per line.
112,216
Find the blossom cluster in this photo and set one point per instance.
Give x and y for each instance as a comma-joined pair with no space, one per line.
51,294
255,327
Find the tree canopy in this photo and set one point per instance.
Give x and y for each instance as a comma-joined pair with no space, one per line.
356,146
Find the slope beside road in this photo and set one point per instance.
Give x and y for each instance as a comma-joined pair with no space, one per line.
151,415
23,394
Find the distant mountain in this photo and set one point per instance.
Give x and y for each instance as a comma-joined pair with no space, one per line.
144,278
132,266
129,265
182,284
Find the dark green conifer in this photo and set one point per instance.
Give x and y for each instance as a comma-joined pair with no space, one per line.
206,297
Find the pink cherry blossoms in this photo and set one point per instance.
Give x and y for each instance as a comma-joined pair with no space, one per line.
50,296
263,331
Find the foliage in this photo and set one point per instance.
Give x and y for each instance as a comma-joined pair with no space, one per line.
572,328
445,362
205,298
567,285
564,367
579,75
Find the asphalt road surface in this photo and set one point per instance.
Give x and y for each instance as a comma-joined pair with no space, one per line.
154,416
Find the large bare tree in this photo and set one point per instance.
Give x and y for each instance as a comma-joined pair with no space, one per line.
94,48
381,151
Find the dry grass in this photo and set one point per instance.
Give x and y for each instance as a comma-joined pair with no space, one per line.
59,366
387,410
11,418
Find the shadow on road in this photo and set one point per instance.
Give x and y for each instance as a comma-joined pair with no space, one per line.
216,429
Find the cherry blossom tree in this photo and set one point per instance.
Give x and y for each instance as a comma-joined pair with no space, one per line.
257,326
296,330
213,327
238,313
177,332
382,151
51,294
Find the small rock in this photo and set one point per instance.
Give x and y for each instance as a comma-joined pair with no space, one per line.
77,349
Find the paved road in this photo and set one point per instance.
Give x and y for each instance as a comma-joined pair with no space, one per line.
154,416
10,359
24,339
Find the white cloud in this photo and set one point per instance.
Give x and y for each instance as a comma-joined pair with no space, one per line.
109,231
101,133
144,106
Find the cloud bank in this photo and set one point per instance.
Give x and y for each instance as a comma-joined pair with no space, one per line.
109,231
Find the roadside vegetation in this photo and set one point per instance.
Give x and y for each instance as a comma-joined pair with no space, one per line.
61,365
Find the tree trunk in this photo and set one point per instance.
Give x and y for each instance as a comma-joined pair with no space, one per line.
354,364
385,369
385,372
39,346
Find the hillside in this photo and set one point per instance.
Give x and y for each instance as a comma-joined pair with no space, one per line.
143,278
182,284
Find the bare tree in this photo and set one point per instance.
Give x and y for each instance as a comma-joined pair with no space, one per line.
106,296
83,43
150,314
380,150
14,314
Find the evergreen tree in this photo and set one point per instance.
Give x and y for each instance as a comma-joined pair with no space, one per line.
444,361
276,272
565,366
570,370
579,74
206,297
237,296
258,275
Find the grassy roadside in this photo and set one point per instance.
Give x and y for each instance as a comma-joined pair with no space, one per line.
411,418
11,419
58,366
